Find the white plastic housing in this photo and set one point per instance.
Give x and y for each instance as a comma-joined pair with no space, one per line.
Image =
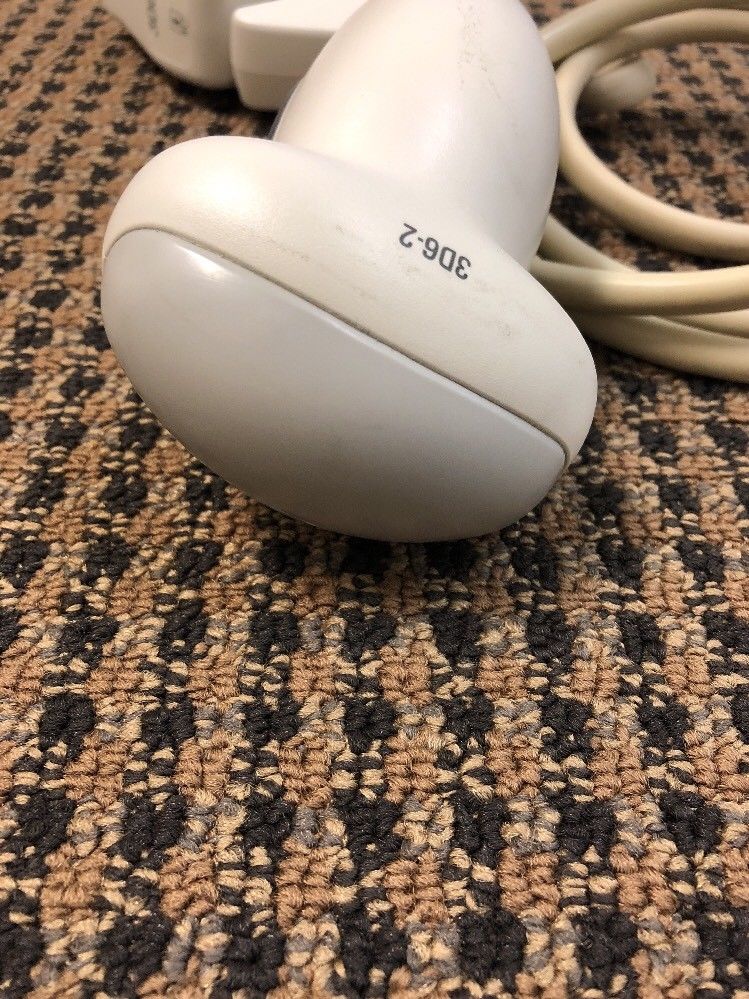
456,98
263,47
622,85
329,321
189,38
274,44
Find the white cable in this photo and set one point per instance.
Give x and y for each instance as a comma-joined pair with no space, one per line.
606,298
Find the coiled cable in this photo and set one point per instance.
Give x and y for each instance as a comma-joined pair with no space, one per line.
695,321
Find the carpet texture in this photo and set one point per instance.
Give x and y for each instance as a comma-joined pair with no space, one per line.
242,757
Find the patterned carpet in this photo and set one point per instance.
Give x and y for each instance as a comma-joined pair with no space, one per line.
242,757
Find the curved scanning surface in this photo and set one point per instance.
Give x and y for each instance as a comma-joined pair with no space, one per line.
308,414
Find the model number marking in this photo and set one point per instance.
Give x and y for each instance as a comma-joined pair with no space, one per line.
445,256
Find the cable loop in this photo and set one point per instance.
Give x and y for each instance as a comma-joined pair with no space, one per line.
606,298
